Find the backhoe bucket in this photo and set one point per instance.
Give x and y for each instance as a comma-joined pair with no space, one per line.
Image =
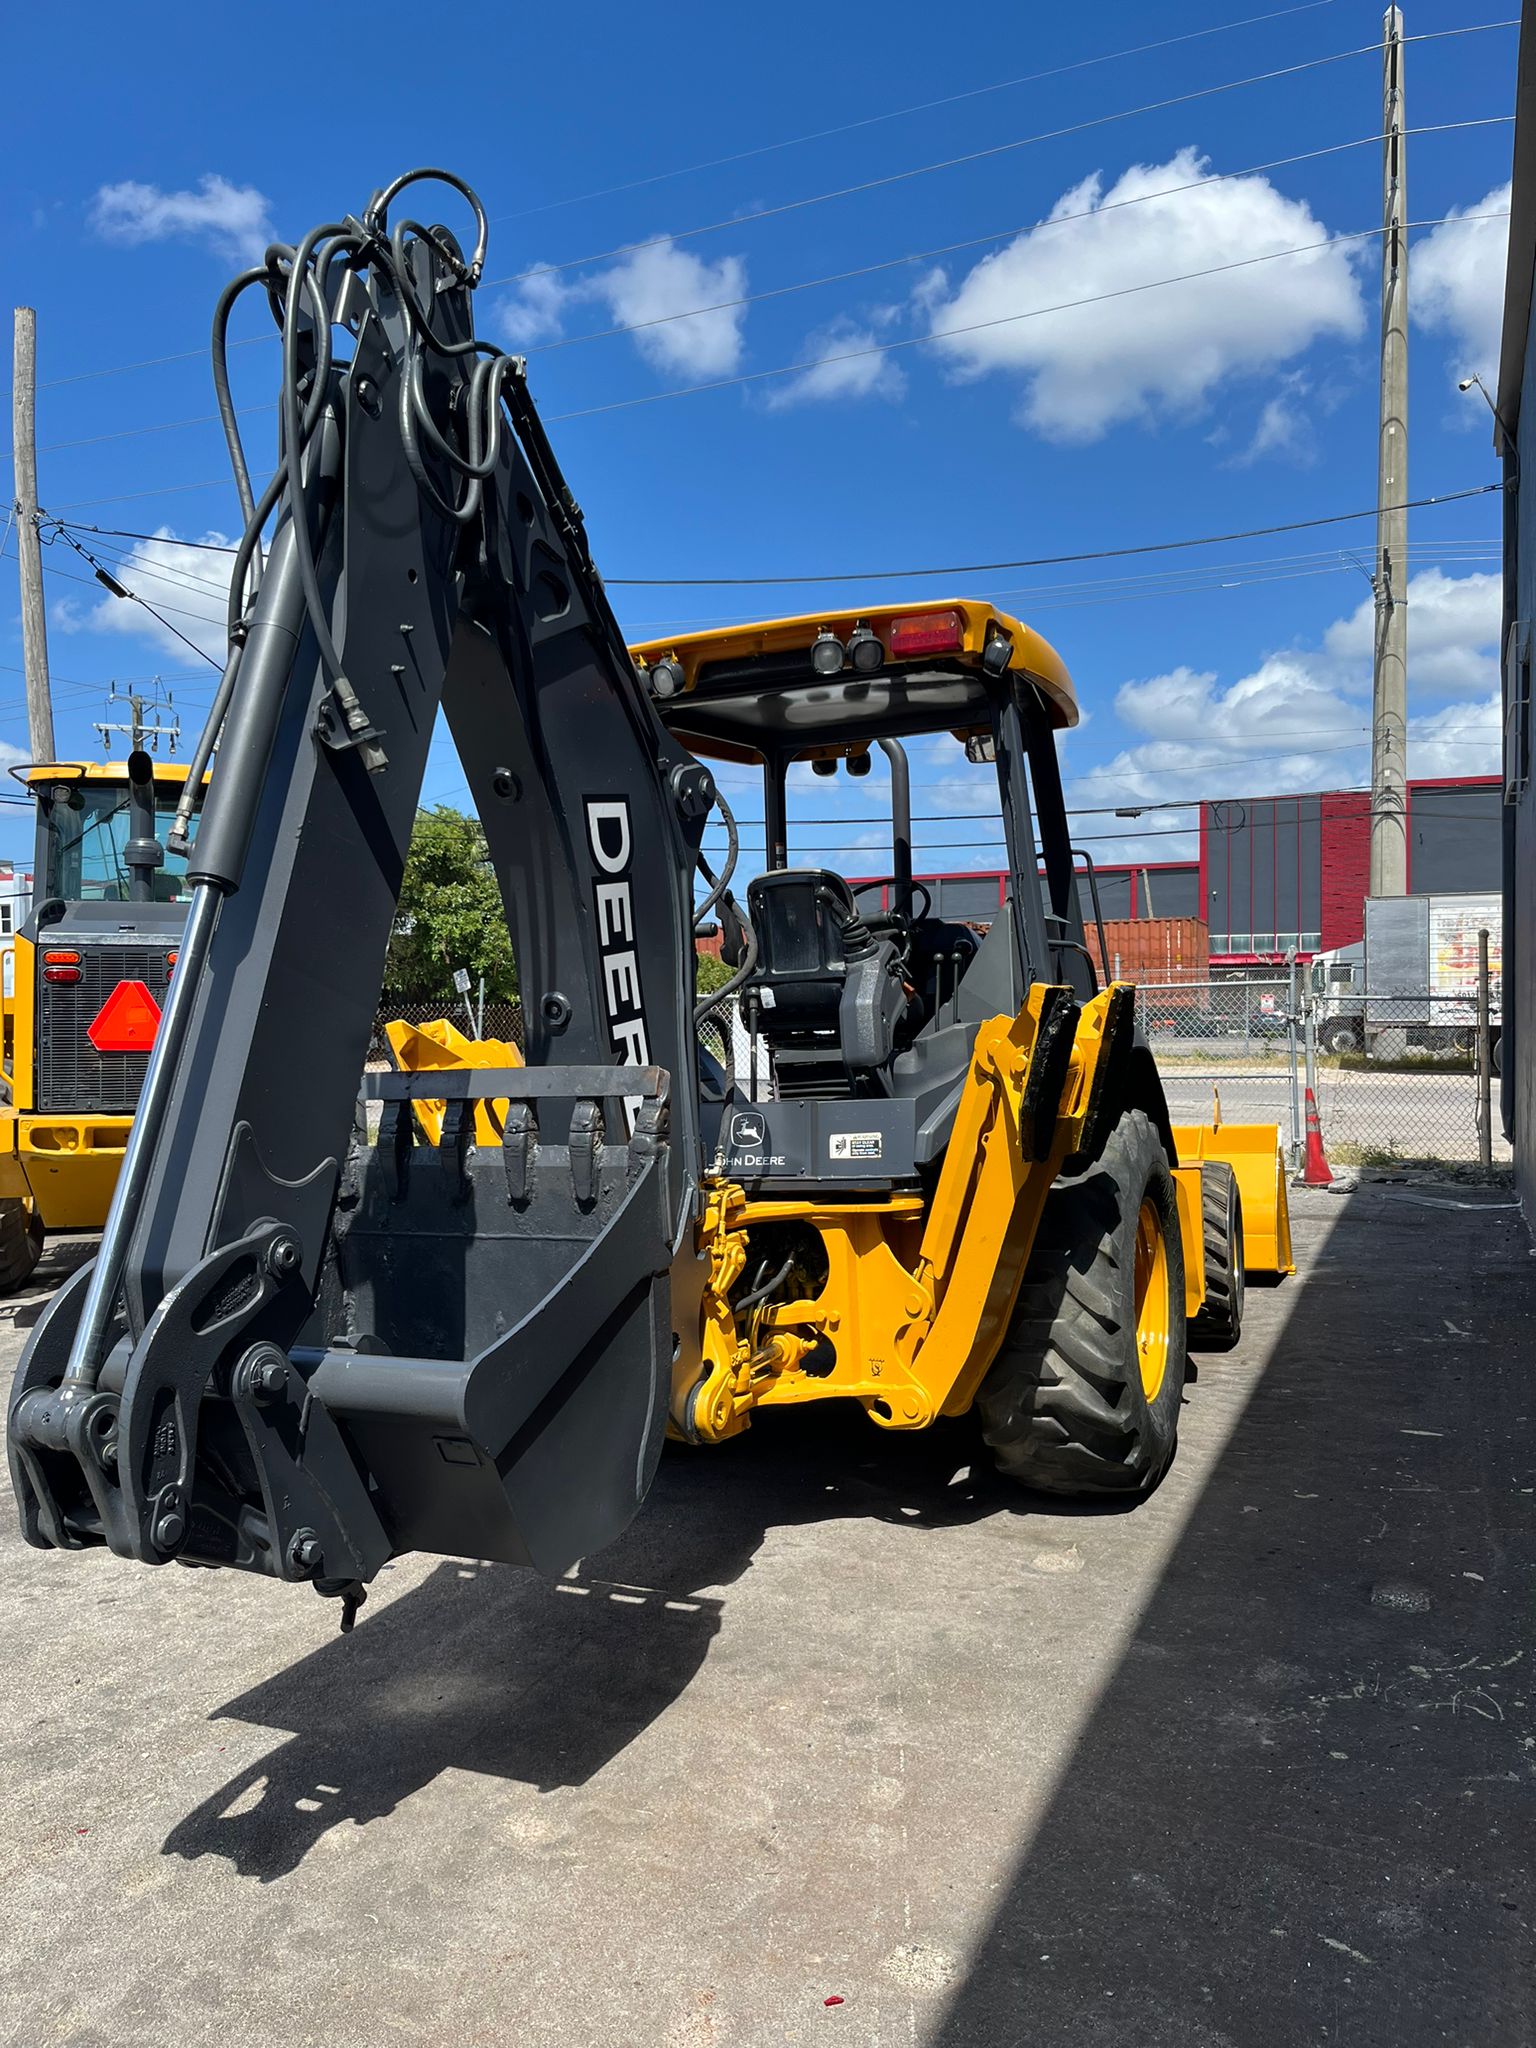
501,1392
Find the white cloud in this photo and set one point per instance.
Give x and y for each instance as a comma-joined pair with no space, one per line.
842,368
1456,283
1463,739
186,583
660,280
1453,633
234,220
656,283
1284,427
1300,719
1157,351
537,313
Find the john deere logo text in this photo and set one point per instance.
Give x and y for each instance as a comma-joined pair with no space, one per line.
612,848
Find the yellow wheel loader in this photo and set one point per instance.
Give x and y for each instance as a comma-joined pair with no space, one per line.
336,1316
92,964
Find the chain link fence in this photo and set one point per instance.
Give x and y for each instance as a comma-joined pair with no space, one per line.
465,1013
1395,1078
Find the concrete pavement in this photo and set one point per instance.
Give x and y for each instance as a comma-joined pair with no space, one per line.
841,1720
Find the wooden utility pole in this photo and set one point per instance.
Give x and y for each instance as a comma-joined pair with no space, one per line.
1389,717
34,617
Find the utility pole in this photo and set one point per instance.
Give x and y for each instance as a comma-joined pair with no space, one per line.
1389,715
34,618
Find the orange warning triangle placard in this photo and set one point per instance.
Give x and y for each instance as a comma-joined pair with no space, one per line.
127,1021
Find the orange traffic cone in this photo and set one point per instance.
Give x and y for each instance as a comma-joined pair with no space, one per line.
1318,1174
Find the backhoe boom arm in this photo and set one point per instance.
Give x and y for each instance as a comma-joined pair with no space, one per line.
299,1351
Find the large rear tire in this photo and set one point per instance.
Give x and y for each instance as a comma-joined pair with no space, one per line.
1220,1322
21,1242
1083,1398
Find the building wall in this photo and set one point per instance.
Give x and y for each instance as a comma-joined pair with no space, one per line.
1519,1083
1455,831
1263,874
1294,870
1344,830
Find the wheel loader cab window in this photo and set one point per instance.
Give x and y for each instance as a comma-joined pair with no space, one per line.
85,828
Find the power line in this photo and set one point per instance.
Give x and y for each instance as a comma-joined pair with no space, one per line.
981,155
110,582
161,572
901,113
1439,548
1173,582
207,483
1072,781
182,611
1036,561
950,569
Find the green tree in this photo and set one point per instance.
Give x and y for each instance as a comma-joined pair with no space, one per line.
710,974
449,914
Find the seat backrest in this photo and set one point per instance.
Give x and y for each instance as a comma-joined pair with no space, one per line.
802,918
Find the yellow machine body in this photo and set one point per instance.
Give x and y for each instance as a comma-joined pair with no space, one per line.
63,1165
919,1291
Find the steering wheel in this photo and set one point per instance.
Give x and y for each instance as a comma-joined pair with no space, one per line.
891,881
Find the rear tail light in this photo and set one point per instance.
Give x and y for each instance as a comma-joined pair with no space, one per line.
61,959
927,633
170,965
61,974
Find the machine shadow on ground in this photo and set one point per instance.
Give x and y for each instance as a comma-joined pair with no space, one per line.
489,1668
1304,1806
61,1257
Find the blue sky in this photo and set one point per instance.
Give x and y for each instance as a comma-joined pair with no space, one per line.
153,163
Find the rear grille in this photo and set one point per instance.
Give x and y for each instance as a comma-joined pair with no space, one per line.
71,1073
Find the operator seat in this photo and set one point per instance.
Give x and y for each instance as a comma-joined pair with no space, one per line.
829,995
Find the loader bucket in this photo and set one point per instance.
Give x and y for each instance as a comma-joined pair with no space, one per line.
1253,1153
420,1048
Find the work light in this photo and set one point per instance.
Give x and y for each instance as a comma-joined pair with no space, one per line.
997,654
864,650
827,654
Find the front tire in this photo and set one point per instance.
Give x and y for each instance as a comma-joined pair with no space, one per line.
1083,1397
1220,1322
21,1242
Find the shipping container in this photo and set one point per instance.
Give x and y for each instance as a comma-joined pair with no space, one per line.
1152,950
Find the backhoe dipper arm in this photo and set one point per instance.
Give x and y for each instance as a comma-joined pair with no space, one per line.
298,1352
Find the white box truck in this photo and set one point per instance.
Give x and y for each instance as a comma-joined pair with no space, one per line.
1414,975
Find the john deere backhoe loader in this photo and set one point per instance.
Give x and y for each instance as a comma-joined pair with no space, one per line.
302,1349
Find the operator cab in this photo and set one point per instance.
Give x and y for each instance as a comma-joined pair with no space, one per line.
862,991
91,820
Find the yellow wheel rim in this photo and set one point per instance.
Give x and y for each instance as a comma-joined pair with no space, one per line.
1152,1317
